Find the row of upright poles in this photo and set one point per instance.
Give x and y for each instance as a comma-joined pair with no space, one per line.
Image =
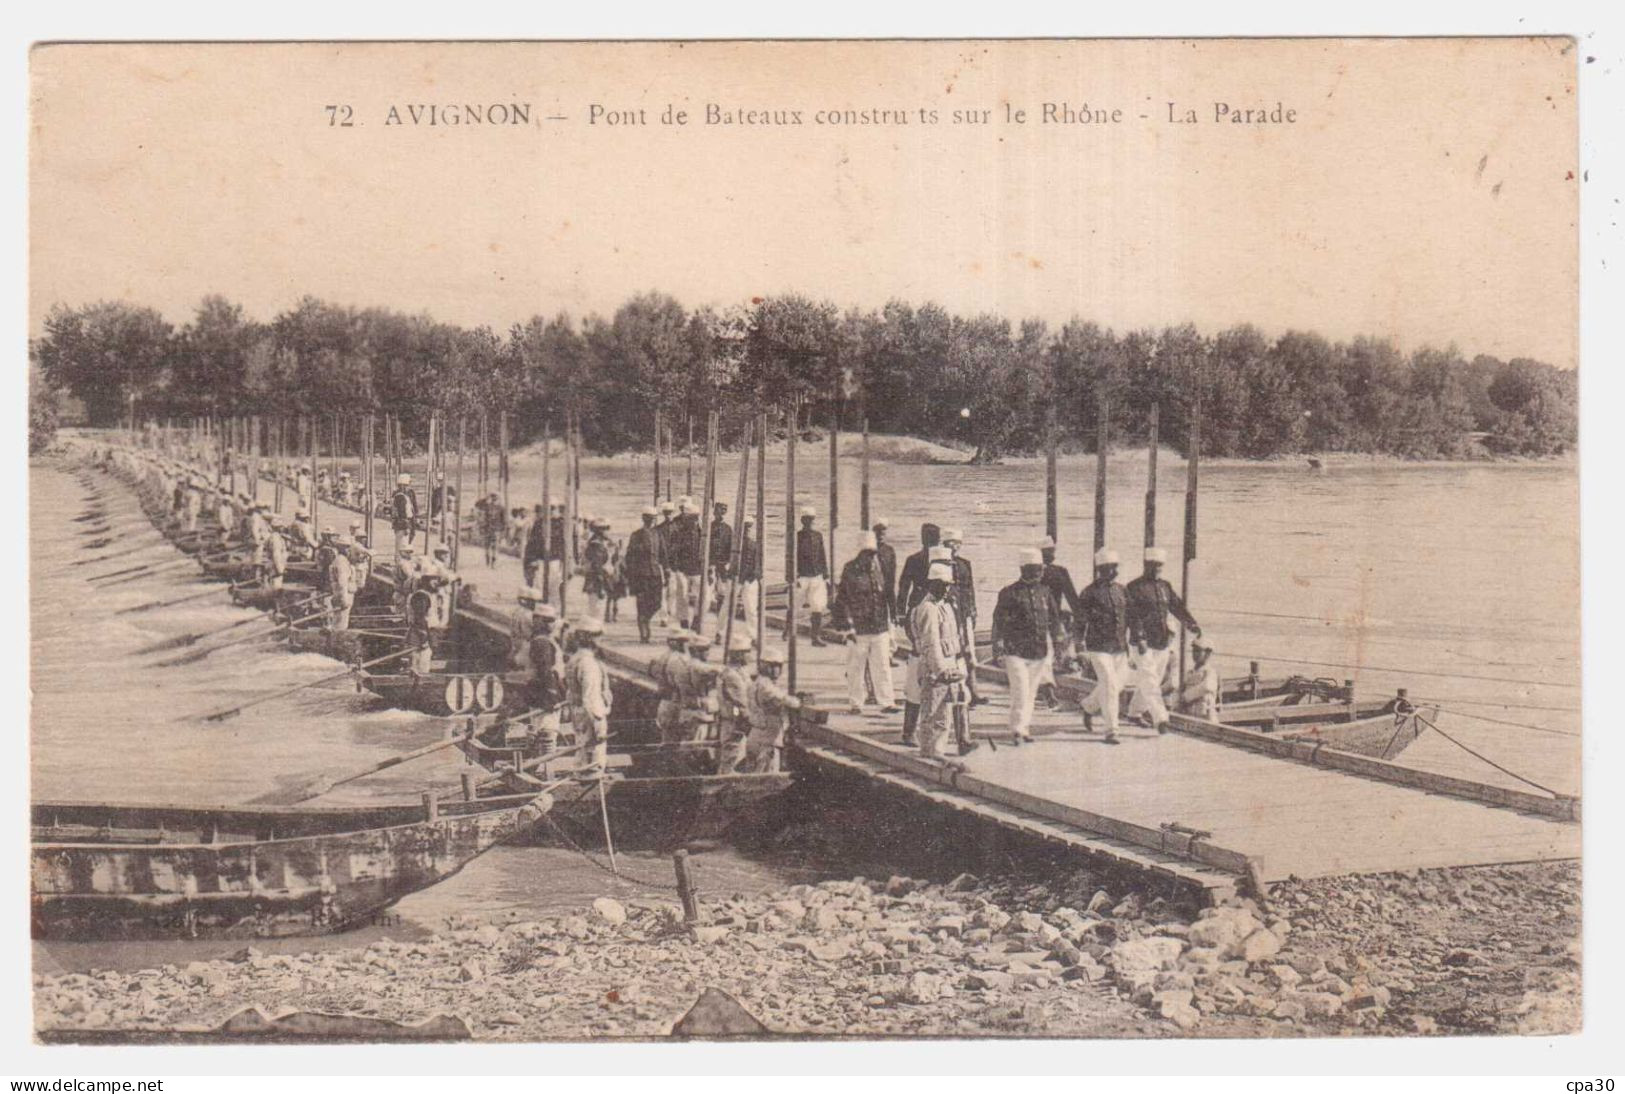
278,440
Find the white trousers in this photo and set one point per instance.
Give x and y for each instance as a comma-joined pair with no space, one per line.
1025,675
814,593
1110,669
1150,668
677,596
871,651
911,681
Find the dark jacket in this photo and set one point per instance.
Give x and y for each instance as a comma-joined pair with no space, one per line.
555,547
1150,601
1026,622
722,546
645,560
964,590
683,544
1058,581
861,600
810,558
547,672
748,570
533,542
403,510
888,570
911,585
1102,620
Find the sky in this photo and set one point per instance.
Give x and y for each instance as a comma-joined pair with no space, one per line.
1425,190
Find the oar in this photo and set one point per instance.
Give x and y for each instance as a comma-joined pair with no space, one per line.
213,590
222,715
160,567
192,658
146,567
320,785
191,639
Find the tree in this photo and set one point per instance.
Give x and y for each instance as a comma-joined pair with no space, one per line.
110,355
789,350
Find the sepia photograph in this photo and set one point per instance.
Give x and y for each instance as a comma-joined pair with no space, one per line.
980,539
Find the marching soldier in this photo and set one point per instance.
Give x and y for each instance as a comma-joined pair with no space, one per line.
597,572
403,512
534,549
683,555
646,569
1103,634
749,579
770,710
547,686
910,591
663,529
721,555
936,631
863,613
812,574
733,700
1150,601
590,698
1029,636
1058,580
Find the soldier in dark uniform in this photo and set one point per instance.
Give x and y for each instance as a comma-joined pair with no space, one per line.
888,564
721,553
812,574
964,599
1151,600
646,570
1058,580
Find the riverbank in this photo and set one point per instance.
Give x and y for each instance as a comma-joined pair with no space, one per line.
906,450
1480,950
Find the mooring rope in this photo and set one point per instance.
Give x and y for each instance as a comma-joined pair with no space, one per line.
1403,672
1486,759
1504,722
620,875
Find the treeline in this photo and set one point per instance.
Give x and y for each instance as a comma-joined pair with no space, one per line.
921,371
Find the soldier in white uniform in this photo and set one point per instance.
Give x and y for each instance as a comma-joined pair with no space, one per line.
340,584
590,698
519,626
1201,692
733,701
668,671
936,633
770,710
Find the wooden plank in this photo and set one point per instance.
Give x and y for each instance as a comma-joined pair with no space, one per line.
1207,853
1560,808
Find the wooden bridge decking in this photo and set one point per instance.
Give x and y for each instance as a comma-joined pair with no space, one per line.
1269,808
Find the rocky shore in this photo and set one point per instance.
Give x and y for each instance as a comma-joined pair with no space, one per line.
1471,950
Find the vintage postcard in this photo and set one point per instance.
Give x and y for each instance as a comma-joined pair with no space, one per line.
966,539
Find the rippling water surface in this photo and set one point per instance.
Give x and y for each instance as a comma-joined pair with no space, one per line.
1461,582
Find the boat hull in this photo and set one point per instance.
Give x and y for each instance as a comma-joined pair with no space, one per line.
104,872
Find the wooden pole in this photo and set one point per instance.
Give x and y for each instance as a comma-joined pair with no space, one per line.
428,525
457,507
502,457
280,462
706,521
547,511
1193,459
863,479
738,552
570,498
484,463
790,542
1151,479
657,456
834,477
310,452
1102,442
685,884
368,483
1052,501
761,531
689,489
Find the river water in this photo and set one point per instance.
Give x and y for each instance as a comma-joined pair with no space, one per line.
1458,581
